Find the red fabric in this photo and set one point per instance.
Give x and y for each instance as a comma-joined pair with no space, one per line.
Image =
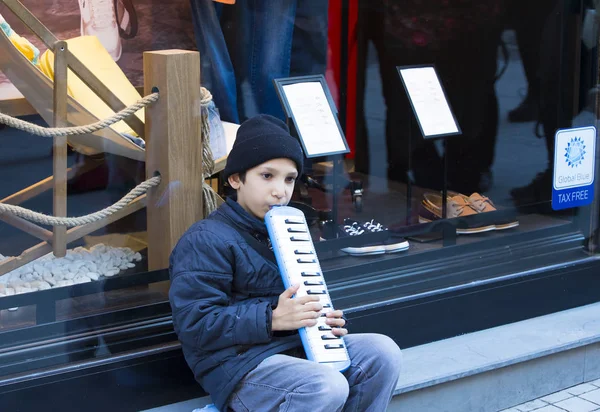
333,74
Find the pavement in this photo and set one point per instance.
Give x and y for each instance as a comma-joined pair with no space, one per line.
580,398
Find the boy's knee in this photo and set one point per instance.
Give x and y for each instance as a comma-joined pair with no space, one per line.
390,354
332,389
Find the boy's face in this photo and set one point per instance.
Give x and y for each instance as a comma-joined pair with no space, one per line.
270,183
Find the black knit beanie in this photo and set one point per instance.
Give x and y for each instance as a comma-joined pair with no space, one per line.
259,139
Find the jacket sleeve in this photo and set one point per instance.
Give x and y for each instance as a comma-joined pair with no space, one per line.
202,268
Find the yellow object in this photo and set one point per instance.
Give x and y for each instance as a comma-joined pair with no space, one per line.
94,56
20,43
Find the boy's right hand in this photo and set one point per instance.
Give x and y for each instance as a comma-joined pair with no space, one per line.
295,313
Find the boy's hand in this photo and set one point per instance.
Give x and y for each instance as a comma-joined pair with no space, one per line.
335,320
292,314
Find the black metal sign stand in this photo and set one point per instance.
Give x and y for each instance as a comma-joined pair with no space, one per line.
448,231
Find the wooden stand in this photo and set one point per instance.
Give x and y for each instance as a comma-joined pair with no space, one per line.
59,157
173,149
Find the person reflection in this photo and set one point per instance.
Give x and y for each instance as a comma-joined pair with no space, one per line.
568,70
461,39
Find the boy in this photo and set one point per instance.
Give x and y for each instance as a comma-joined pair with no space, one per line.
237,324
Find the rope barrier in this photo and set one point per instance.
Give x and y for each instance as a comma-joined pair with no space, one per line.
82,220
77,130
208,194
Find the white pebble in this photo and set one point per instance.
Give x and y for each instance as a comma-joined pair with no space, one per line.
20,289
79,265
40,285
27,269
92,275
81,279
29,277
15,284
51,280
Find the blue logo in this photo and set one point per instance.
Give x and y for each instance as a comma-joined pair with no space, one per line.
575,152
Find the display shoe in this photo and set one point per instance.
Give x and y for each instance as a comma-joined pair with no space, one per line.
537,191
527,111
98,19
431,210
392,244
353,229
483,204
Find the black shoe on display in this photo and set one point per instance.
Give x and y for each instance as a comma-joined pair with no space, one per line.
527,111
392,244
486,181
538,190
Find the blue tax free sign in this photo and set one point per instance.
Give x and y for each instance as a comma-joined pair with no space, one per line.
574,161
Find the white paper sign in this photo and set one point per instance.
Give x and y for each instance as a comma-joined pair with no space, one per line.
314,119
428,100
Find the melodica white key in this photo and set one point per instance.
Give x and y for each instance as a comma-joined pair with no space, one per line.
298,264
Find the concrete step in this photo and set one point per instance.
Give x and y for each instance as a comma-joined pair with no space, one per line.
497,368
493,369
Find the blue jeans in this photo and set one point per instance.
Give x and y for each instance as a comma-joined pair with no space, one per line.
286,383
242,48
309,44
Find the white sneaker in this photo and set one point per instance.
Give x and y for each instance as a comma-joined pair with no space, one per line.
98,19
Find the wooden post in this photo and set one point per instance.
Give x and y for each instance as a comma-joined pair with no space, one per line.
59,169
173,149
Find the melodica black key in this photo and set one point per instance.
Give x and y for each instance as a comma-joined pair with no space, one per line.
291,241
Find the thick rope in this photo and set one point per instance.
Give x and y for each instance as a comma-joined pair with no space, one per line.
77,130
82,220
209,197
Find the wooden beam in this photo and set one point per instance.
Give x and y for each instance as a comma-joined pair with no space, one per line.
27,226
16,107
220,164
72,234
32,23
78,232
59,163
27,256
32,191
173,149
45,185
77,67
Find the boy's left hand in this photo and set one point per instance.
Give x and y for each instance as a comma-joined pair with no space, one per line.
335,320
